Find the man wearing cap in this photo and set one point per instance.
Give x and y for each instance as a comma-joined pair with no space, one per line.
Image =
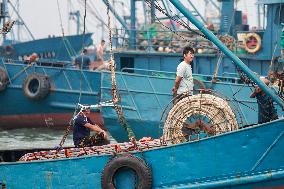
82,127
266,109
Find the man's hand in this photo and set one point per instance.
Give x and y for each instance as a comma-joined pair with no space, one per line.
104,134
257,89
174,90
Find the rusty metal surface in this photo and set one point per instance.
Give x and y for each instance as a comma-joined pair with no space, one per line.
43,120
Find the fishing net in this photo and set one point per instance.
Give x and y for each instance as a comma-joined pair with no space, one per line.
211,114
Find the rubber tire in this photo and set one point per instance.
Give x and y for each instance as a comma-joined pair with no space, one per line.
3,79
137,164
38,82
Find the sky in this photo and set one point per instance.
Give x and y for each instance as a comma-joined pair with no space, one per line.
50,17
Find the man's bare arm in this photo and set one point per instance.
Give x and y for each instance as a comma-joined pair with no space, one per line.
96,128
177,83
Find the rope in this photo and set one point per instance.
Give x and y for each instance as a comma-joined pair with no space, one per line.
173,18
69,48
218,111
7,27
115,95
276,44
71,122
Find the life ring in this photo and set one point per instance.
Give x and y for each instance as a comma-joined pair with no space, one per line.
252,42
3,79
197,86
131,162
36,86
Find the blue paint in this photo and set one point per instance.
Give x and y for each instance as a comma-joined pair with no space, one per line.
201,164
52,48
146,96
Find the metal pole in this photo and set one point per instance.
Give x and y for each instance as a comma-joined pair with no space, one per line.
195,9
117,16
152,12
169,13
226,51
15,10
5,14
133,25
18,27
214,4
258,17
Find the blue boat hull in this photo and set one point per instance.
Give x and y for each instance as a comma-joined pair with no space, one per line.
247,158
68,87
59,48
145,97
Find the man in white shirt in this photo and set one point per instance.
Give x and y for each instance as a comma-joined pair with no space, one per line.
184,79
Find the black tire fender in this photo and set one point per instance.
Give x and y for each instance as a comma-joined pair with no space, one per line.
137,164
3,79
36,86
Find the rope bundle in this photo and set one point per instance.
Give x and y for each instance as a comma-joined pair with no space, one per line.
218,111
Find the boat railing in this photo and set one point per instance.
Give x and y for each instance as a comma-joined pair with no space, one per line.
47,67
42,62
161,41
233,78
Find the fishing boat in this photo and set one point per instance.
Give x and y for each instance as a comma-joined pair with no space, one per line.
148,83
253,156
56,48
42,91
149,68
50,49
40,84
256,47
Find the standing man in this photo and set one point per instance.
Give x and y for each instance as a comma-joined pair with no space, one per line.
82,127
266,109
100,52
184,79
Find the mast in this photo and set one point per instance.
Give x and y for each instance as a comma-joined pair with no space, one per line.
21,20
227,14
77,15
3,15
121,21
152,12
227,52
133,24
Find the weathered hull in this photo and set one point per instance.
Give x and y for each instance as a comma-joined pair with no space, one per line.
145,98
51,120
246,158
48,48
67,88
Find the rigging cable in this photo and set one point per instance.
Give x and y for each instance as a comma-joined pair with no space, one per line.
71,52
115,95
276,42
71,122
221,55
181,22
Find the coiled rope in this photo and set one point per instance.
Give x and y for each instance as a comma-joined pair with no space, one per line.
219,113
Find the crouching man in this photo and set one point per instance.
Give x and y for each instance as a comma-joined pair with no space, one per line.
82,129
